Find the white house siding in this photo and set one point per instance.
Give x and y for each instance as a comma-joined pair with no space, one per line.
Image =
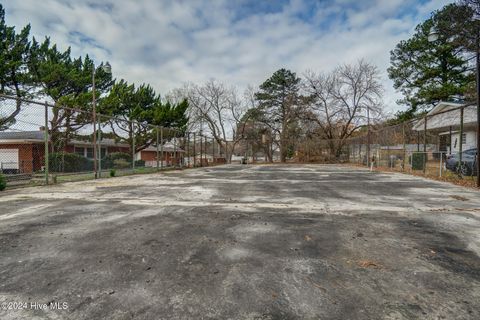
471,141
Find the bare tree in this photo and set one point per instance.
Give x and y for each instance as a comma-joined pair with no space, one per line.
216,108
338,101
257,135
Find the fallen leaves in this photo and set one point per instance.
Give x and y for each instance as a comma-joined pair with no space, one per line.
369,264
456,197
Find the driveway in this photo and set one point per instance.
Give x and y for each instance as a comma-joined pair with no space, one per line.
242,242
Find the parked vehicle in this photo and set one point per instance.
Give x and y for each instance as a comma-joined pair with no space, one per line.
469,160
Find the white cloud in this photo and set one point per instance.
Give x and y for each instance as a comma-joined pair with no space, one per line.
165,43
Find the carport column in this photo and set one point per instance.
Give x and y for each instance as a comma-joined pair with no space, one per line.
46,144
450,146
418,141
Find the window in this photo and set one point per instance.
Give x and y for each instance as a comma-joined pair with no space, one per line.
79,151
464,138
90,153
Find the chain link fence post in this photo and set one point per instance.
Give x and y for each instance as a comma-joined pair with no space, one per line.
404,148
201,150
424,145
194,149
460,145
175,157
46,141
99,146
188,149
161,148
158,147
133,148
206,156
213,151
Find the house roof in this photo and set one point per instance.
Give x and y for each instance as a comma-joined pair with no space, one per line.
26,136
167,147
39,136
440,118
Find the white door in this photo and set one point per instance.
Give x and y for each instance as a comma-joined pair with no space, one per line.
9,159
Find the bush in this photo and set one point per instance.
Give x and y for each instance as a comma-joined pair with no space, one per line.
117,160
3,182
69,162
140,163
418,160
121,164
113,172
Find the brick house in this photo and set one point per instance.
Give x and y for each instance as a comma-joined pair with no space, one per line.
24,152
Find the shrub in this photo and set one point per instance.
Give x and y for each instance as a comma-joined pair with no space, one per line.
112,172
140,163
117,160
418,161
3,182
121,164
69,162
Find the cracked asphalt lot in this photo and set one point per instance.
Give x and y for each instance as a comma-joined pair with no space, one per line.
242,242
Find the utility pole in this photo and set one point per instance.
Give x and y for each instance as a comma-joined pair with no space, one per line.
94,101
47,161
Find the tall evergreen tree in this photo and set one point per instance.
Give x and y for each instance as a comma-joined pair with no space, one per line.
425,72
135,110
68,82
278,99
15,78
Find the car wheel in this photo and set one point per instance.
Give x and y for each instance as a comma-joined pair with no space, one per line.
465,170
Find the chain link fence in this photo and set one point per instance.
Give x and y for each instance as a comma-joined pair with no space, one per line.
441,144
43,143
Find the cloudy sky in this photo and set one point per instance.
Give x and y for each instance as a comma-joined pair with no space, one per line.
168,42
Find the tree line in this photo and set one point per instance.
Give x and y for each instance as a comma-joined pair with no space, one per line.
286,108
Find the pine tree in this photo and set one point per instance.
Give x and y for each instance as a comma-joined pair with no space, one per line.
428,72
279,105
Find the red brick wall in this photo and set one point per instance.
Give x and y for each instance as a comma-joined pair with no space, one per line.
168,157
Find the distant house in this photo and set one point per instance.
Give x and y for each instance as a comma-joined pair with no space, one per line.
24,152
447,126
